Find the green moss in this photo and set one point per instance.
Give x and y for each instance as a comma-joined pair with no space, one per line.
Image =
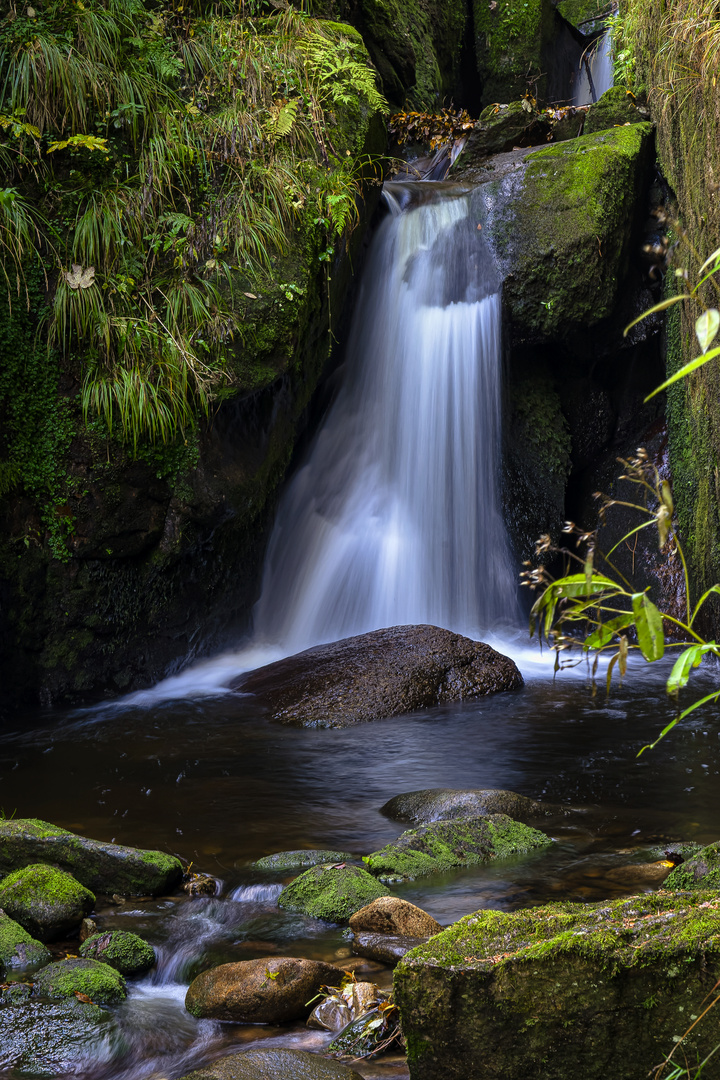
511,38
331,894
615,108
100,982
17,947
583,12
702,871
45,882
445,845
291,860
125,952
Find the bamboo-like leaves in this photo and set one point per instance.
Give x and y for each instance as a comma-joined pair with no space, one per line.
648,626
686,369
706,328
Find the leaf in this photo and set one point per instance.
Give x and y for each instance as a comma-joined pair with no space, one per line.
686,370
715,257
701,601
604,633
690,658
251,295
78,278
706,328
651,311
649,627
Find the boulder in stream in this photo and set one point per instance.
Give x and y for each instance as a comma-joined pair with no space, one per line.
445,845
17,948
377,675
54,1039
385,948
588,990
392,915
615,108
272,990
106,868
67,978
701,871
501,128
294,860
46,902
276,1063
121,949
444,804
332,893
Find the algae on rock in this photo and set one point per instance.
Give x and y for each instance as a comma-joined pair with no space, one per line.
17,948
46,901
67,978
700,871
331,893
511,41
122,950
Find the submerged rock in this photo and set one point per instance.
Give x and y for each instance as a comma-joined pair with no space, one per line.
701,871
445,845
107,868
17,948
54,1039
66,978
391,915
589,990
291,860
272,990
277,1064
377,675
385,948
46,902
122,950
445,804
331,893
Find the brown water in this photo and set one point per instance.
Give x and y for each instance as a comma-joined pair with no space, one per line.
220,785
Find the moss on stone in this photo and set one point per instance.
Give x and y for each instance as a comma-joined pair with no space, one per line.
122,950
291,860
615,108
331,894
511,38
446,845
17,948
46,901
66,978
583,13
702,871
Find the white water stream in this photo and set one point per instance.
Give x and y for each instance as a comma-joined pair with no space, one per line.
596,73
394,516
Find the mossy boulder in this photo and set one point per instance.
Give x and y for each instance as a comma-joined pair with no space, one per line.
615,108
294,860
66,978
102,867
444,804
701,871
501,128
54,1039
562,227
513,39
446,845
47,902
270,990
588,990
331,893
17,948
276,1062
122,950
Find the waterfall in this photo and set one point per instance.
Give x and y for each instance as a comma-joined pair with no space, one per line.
394,517
596,71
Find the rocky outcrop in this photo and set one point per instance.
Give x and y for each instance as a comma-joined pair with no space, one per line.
614,109
446,845
102,984
391,915
444,804
278,1063
385,948
272,990
589,990
377,675
107,868
332,893
512,42
47,902
701,871
293,860
53,1039
124,951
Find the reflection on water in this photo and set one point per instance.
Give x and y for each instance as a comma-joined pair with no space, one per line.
220,785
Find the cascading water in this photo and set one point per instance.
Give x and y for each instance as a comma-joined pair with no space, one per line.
394,517
596,73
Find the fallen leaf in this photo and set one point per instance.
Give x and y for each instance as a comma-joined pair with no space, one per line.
77,278
251,295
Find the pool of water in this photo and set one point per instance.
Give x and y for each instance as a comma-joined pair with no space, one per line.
214,781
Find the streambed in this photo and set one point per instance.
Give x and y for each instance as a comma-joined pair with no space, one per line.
214,782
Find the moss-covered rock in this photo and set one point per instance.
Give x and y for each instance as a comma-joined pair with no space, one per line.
701,871
66,978
512,41
108,868
17,948
501,128
293,860
562,229
445,845
331,893
615,108
277,1062
125,952
54,1039
47,902
591,990
443,804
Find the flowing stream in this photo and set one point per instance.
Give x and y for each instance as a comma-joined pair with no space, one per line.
596,71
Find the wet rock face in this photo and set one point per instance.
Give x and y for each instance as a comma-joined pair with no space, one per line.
385,948
377,675
41,1039
391,915
501,128
275,1063
292,860
331,893
264,991
702,871
46,902
67,978
107,868
445,804
589,990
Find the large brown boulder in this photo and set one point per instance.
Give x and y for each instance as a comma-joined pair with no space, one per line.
266,991
391,915
377,675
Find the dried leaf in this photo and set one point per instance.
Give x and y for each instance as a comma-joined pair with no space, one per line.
706,328
78,278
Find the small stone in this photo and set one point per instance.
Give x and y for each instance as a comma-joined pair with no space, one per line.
88,927
293,860
275,1063
272,990
122,950
391,915
386,948
67,978
46,902
200,885
446,804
